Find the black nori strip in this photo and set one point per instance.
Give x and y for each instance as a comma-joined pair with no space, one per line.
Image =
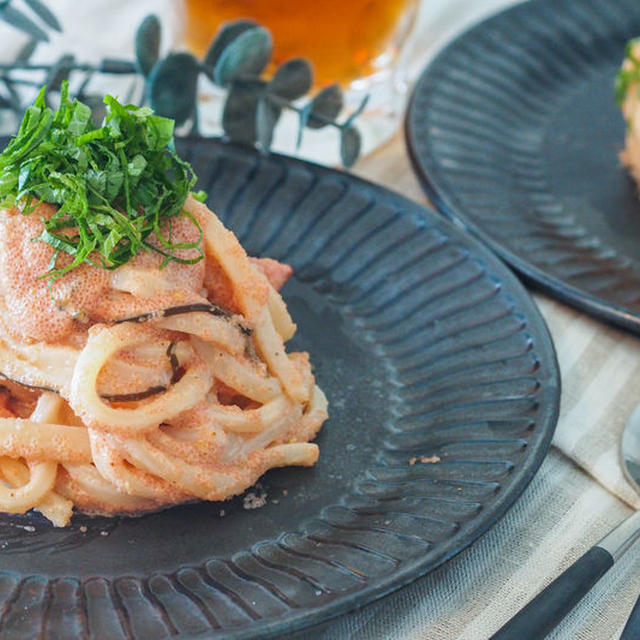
213,309
127,397
24,384
132,397
177,370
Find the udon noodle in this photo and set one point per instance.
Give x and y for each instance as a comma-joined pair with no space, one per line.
130,390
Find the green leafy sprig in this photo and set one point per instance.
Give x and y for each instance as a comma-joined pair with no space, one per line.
629,74
114,184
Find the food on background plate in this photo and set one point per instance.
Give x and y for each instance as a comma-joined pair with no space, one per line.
628,97
141,349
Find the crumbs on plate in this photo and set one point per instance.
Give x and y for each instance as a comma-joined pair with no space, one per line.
254,501
424,460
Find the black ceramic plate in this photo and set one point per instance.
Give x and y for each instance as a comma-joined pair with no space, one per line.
426,346
515,133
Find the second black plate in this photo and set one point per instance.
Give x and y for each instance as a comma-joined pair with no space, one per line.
515,133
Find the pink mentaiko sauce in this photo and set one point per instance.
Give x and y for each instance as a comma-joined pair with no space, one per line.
34,310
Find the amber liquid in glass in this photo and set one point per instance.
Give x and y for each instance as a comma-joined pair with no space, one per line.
344,39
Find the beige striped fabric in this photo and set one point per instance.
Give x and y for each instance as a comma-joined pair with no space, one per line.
600,368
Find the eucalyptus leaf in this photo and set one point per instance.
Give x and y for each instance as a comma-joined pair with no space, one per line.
240,110
292,79
325,107
267,116
350,143
44,13
148,43
245,57
172,86
26,51
59,72
225,36
17,19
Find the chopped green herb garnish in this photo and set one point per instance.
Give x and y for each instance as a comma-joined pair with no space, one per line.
630,73
114,185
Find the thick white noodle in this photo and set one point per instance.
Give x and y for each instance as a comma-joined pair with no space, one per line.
84,397
42,476
187,442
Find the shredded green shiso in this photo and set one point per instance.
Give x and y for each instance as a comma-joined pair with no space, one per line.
114,185
627,77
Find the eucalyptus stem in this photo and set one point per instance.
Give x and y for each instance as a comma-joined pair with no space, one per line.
285,104
107,66
21,81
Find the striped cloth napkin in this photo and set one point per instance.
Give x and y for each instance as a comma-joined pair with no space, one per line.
600,369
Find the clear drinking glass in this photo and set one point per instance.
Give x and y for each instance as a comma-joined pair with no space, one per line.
357,43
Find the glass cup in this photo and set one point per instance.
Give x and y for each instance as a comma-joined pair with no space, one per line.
356,43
